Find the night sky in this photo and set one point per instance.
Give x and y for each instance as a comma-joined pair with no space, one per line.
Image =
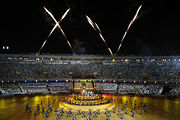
25,25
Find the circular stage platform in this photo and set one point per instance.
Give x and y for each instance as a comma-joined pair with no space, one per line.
87,100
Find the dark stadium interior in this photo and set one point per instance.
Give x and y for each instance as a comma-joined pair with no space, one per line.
43,78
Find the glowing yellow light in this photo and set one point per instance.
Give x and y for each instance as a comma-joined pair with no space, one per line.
36,81
37,59
179,59
171,74
56,80
46,80
70,73
134,81
51,59
145,74
8,80
166,82
66,80
2,81
144,81
14,81
25,81
126,60
120,73
113,60
17,73
114,81
155,82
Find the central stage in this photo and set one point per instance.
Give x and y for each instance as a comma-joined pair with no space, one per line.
83,100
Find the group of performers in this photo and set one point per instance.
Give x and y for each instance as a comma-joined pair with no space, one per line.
121,111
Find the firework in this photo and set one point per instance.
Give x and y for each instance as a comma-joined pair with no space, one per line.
59,22
132,21
97,29
91,22
56,25
41,47
55,21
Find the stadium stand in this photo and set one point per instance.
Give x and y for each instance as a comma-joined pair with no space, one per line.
133,74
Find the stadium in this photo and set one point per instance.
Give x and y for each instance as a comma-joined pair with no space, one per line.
57,64
123,78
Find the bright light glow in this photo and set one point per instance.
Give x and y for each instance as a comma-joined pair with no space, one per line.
97,29
113,60
137,60
126,60
4,47
152,60
131,22
57,25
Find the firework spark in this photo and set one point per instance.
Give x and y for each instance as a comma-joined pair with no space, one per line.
60,20
132,21
56,25
41,47
91,22
55,21
97,29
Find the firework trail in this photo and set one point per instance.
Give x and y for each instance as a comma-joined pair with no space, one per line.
97,29
55,21
59,22
91,22
56,25
41,47
132,21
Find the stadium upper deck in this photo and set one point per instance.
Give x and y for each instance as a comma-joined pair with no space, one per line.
134,68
